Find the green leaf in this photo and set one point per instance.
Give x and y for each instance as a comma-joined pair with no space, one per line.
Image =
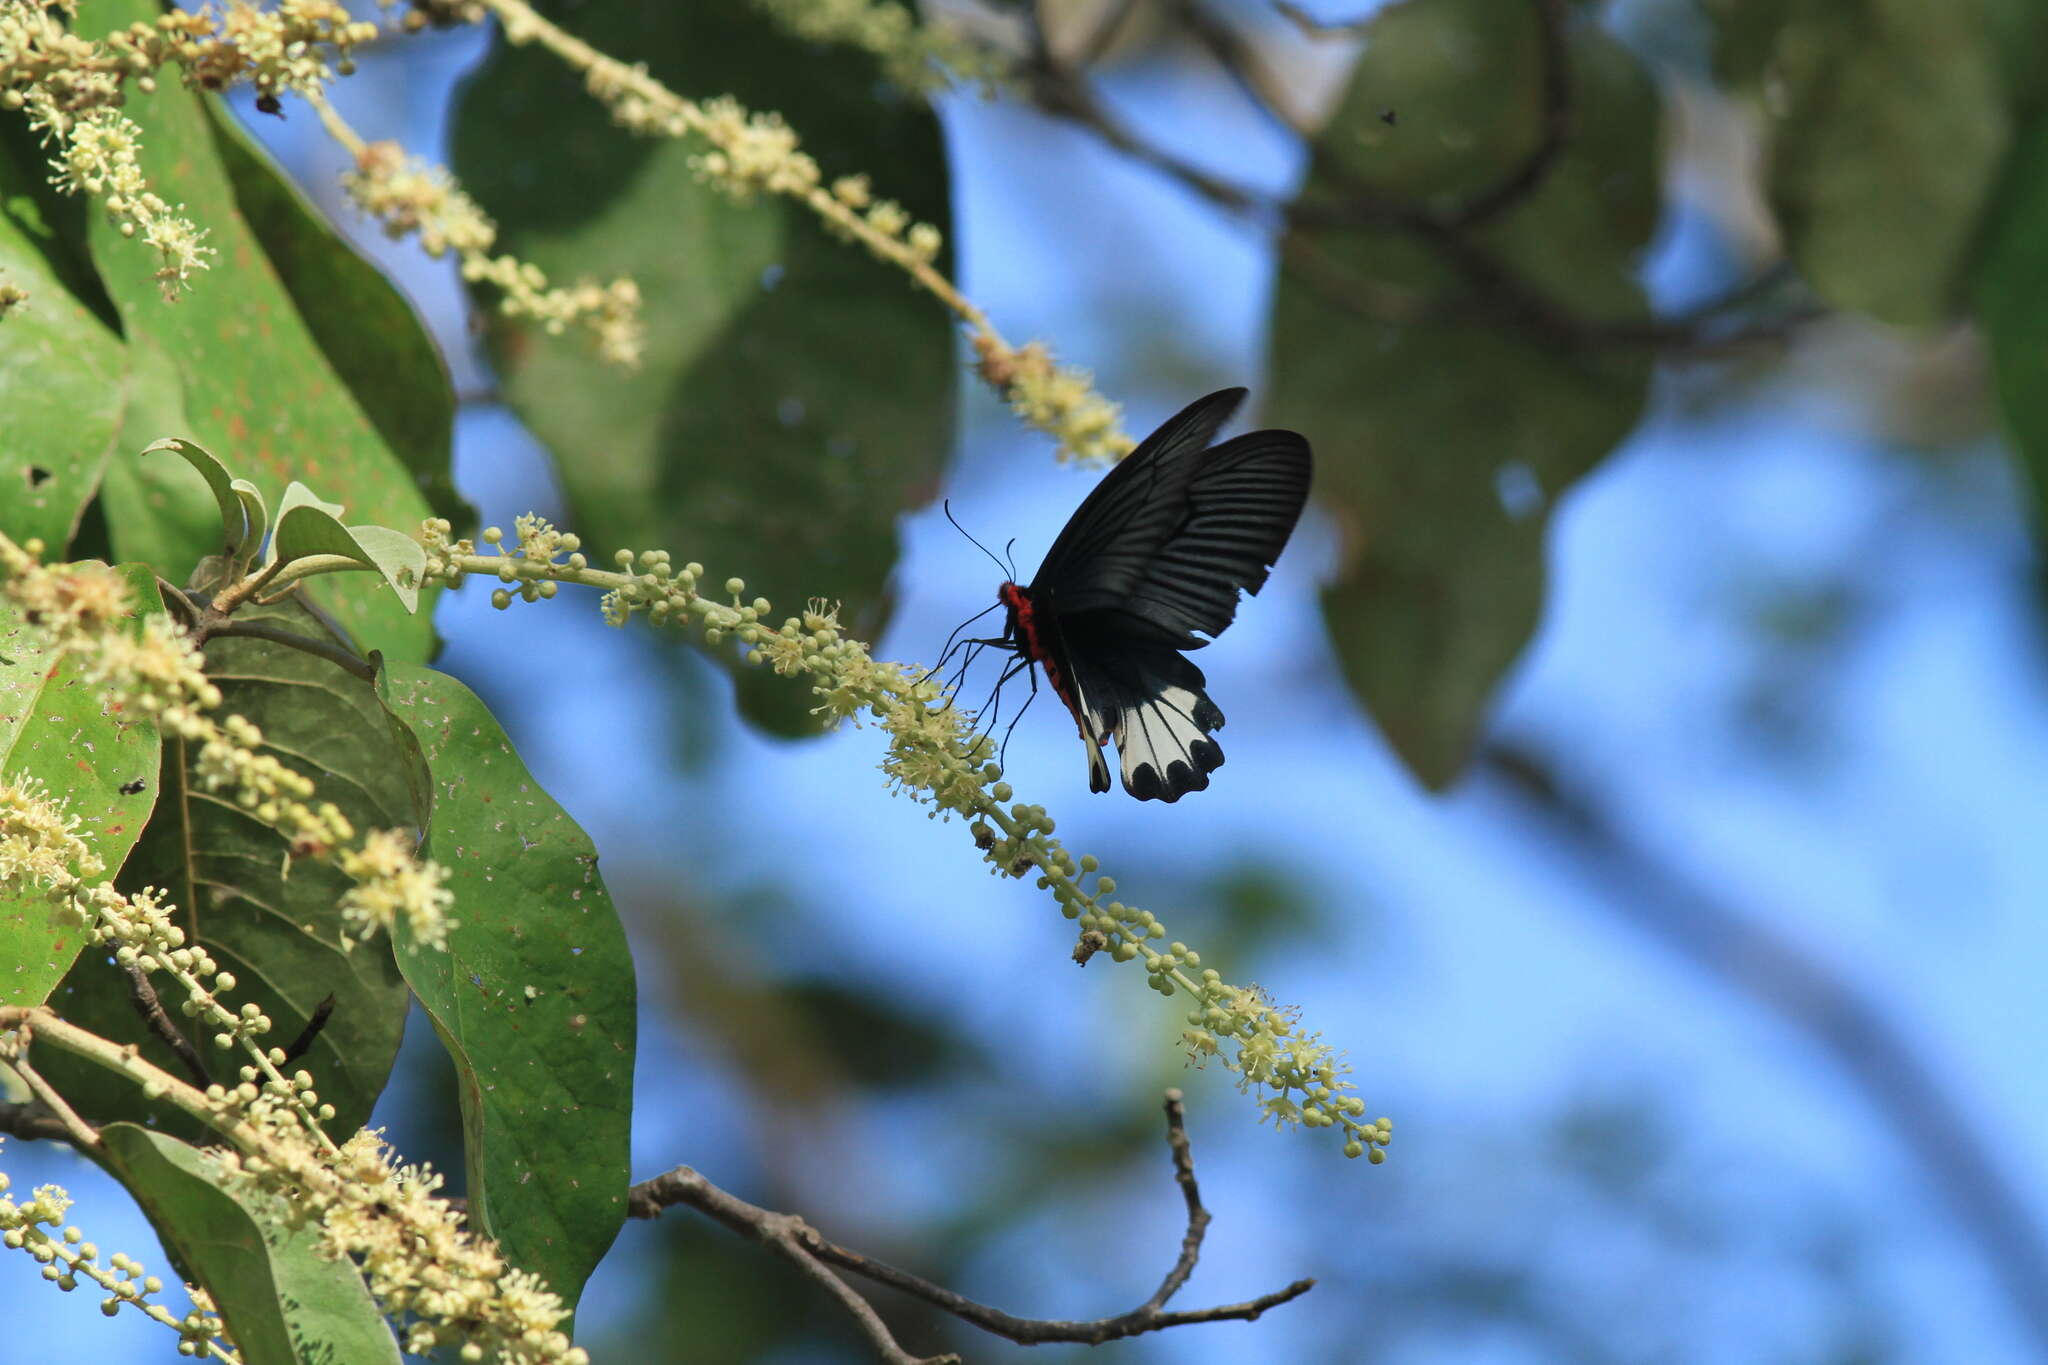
272,921
1893,124
797,395
368,330
257,390
240,514
534,997
2011,284
311,540
156,512
57,729
63,378
281,1299
1426,389
296,495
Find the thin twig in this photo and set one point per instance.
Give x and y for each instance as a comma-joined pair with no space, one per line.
1519,183
311,1032
686,1186
250,630
32,1122
1497,291
1105,33
785,1233
1242,64
179,602
142,994
77,1131
1320,28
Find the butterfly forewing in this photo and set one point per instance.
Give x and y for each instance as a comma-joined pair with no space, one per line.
1241,506
1111,538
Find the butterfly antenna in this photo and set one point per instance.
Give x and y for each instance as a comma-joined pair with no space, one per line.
1010,560
1008,571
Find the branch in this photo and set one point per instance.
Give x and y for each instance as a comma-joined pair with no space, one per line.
321,649
1242,63
76,1130
33,1123
310,1034
1854,1025
784,1233
1524,179
1320,28
792,1237
142,994
1498,291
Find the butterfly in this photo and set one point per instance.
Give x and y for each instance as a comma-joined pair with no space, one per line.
1158,551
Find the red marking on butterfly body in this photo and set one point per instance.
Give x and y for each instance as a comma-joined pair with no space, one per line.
1024,626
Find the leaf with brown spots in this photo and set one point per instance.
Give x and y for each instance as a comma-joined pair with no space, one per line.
63,377
257,389
57,730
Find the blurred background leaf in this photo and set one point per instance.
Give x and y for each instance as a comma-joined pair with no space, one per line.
797,396
1421,374
1891,125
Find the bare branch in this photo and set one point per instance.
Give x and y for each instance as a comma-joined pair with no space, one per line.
1263,86
76,1130
784,1233
311,1032
1525,178
1320,28
142,995
32,1122
1104,35
789,1234
1498,292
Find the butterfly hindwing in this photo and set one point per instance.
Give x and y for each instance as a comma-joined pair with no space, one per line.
1150,699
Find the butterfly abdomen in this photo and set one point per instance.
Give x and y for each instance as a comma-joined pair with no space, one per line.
1027,629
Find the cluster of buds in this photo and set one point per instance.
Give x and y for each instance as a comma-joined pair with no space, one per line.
917,56
71,89
410,197
1054,398
36,1226
447,1287
937,757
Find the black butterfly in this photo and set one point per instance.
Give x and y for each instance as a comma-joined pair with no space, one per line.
1159,550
